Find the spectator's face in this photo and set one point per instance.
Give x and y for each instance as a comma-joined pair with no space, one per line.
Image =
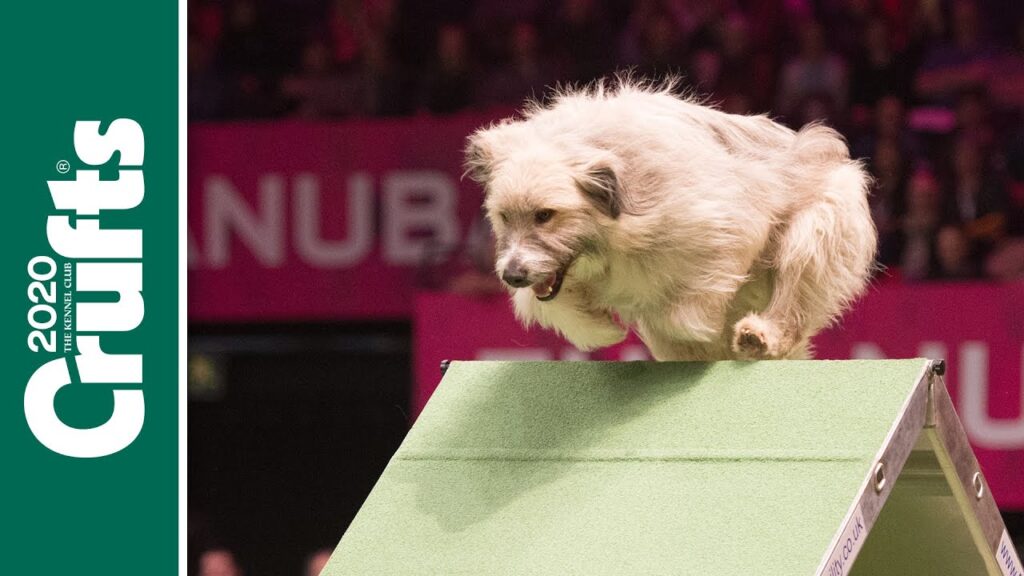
317,562
923,193
218,563
524,41
705,68
451,46
952,249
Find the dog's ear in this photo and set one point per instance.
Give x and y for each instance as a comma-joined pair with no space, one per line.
479,158
601,186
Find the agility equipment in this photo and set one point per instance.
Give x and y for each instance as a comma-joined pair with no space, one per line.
626,468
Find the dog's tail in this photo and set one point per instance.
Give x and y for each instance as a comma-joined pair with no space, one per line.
818,144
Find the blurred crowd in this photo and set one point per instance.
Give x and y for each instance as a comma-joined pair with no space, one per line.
930,93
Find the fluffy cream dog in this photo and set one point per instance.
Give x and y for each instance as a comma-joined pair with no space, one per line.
714,236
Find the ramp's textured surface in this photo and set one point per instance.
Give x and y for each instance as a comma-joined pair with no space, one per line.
628,468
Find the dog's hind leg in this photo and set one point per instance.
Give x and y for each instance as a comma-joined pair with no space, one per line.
822,261
663,347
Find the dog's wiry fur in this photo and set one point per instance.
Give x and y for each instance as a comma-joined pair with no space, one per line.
714,236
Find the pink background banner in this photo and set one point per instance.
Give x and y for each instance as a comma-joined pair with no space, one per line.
977,329
295,220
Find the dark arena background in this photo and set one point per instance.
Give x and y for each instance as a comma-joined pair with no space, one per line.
336,255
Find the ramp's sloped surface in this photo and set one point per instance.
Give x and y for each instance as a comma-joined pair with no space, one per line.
634,468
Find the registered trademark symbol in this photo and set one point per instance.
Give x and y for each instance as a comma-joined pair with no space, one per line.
63,166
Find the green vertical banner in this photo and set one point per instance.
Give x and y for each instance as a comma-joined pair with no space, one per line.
90,420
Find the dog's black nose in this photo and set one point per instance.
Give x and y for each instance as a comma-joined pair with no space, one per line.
515,276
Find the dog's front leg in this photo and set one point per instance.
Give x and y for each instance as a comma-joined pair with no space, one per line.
585,327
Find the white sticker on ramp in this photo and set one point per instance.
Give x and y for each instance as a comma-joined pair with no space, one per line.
1007,558
840,562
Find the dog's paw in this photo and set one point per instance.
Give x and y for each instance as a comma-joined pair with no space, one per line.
754,338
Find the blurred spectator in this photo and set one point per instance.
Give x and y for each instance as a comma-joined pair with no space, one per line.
525,74
877,69
319,90
818,107
493,21
387,90
477,276
354,25
343,19
814,77
972,118
661,48
204,83
1007,78
961,64
926,24
743,71
954,255
205,21
316,561
246,42
847,22
920,224
363,37
888,122
1014,154
218,562
448,85
889,168
580,37
248,61
1007,261
700,21
730,71
976,197
630,39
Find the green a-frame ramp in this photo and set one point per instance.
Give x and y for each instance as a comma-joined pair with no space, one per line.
641,468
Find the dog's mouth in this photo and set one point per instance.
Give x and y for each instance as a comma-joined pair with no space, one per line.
548,288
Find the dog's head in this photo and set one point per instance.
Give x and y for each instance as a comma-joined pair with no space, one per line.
550,202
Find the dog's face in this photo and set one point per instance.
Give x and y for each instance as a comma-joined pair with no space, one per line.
549,213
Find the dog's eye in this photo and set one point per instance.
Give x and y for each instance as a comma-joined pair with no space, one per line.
542,216
504,217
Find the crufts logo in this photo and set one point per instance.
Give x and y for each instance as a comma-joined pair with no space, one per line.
100,260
